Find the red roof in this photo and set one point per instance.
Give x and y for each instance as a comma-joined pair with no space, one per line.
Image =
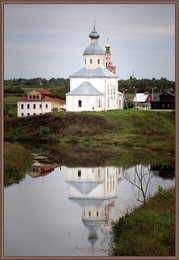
23,99
46,169
54,100
44,91
45,98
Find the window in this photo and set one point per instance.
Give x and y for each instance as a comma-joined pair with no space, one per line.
89,213
40,106
22,114
98,61
30,97
79,173
22,106
79,103
34,114
28,106
28,114
85,61
34,106
46,106
33,97
90,61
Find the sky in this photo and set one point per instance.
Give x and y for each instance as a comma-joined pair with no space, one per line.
48,40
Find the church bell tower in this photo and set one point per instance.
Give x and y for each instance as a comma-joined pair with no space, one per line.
109,64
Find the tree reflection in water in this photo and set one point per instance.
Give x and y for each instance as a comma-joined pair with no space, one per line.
141,181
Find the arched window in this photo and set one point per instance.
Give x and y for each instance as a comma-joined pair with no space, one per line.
90,61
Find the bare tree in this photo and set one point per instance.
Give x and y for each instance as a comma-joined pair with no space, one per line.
141,180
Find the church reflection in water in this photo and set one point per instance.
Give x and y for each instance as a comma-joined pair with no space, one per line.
95,190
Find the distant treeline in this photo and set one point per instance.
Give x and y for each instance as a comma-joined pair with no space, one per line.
37,82
142,85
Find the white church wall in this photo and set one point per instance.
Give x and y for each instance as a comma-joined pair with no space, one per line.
84,103
94,61
111,100
107,86
106,182
85,174
92,213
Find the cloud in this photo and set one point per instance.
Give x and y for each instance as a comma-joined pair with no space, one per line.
55,35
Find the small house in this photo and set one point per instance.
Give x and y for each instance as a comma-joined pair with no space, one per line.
142,100
38,102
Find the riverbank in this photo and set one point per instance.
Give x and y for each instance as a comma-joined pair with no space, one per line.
152,130
16,161
149,230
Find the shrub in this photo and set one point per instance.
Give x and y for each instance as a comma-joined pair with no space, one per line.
43,131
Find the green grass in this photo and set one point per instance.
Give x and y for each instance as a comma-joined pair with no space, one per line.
10,103
131,128
148,230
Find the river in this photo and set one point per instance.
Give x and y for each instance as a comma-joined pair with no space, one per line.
59,210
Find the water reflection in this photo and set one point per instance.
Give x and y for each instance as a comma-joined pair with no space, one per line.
94,190
39,170
72,209
164,171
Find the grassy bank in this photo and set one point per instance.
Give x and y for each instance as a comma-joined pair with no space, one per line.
131,128
16,161
10,104
148,230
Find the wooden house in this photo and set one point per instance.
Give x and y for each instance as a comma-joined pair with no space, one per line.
165,100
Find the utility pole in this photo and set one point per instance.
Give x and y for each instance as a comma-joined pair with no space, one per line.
124,90
135,97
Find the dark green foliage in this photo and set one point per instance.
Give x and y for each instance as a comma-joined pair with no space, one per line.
148,230
37,82
13,90
144,85
16,161
43,131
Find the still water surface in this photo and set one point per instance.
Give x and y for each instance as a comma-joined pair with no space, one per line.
66,211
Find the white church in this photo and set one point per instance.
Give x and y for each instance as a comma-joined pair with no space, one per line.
95,86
